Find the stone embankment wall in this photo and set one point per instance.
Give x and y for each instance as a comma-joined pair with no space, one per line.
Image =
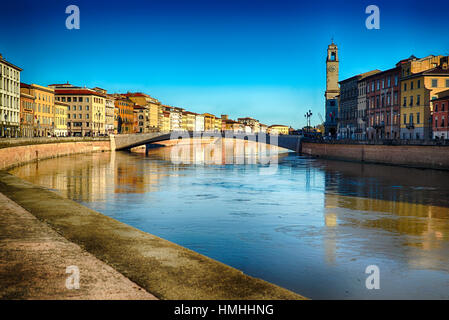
424,156
19,154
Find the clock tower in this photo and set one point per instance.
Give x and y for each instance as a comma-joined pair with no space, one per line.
332,89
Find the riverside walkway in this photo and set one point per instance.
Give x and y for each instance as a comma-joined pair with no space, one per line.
34,258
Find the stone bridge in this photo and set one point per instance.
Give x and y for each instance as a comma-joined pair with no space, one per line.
128,141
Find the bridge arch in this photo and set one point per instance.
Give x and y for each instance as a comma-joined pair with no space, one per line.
128,141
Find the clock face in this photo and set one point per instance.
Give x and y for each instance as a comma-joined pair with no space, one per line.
332,69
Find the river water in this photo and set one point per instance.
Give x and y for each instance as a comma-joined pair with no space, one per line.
312,226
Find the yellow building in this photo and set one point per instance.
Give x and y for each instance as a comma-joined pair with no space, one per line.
61,111
418,89
218,124
86,114
154,108
44,110
123,114
188,121
165,127
278,129
209,122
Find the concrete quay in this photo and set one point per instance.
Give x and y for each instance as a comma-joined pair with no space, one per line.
116,261
34,259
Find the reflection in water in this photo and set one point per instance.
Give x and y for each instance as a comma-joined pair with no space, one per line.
312,226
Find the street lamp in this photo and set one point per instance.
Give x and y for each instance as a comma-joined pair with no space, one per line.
308,115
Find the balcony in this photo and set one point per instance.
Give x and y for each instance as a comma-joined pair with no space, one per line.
379,125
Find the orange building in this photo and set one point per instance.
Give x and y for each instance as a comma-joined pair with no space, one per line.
26,111
123,115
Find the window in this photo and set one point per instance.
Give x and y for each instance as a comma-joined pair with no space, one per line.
436,107
405,118
405,86
80,99
411,118
80,116
69,99
436,122
405,102
87,108
383,83
418,118
372,86
411,85
396,80
74,99
389,82
411,101
442,121
434,83
418,100
442,107
418,84
378,84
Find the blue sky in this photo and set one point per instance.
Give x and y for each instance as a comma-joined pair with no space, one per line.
264,59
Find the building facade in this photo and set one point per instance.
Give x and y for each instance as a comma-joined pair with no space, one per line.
209,122
86,114
154,108
441,115
188,121
278,129
362,117
165,127
60,120
26,112
253,124
109,110
347,108
418,90
44,117
199,122
9,99
123,115
382,104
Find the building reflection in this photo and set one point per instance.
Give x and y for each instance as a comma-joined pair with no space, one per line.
91,177
408,205
213,151
76,177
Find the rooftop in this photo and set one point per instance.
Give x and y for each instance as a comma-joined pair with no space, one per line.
2,60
